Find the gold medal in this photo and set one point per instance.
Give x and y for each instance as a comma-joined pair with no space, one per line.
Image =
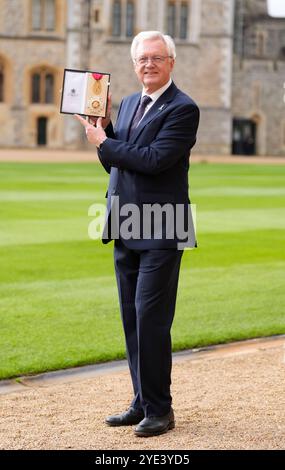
97,88
95,104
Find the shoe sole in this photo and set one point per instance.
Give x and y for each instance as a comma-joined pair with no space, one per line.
121,424
157,433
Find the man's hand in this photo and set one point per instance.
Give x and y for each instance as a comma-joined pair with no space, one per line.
106,121
95,135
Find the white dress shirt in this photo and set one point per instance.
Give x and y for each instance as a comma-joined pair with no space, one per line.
155,95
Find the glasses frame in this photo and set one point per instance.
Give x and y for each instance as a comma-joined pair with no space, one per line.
159,59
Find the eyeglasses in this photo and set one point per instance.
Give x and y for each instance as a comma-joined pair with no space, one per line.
158,59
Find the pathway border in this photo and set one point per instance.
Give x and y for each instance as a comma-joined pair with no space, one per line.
87,372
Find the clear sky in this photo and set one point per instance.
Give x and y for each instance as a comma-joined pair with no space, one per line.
276,7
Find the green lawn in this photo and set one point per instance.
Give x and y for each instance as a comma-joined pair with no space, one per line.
58,298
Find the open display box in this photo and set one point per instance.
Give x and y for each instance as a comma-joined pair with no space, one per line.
85,92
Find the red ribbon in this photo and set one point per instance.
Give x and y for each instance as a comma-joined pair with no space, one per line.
97,76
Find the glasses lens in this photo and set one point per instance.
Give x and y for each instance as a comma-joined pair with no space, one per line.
155,60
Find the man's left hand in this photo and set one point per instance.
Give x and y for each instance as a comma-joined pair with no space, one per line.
95,135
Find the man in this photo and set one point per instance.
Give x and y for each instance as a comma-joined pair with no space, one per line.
147,156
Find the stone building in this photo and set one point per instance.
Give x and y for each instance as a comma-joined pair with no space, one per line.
258,99
32,53
39,38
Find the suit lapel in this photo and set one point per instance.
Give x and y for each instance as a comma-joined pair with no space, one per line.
127,117
154,111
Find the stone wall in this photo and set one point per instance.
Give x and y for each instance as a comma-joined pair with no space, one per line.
202,69
223,86
258,94
258,77
22,51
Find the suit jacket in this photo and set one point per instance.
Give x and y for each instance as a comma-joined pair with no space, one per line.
151,166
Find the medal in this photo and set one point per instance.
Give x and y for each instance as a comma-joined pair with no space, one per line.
97,89
96,104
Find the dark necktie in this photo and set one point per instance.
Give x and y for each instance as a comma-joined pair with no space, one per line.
145,100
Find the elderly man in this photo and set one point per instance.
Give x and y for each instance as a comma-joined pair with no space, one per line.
147,156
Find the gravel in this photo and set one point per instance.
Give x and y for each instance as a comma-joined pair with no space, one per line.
233,401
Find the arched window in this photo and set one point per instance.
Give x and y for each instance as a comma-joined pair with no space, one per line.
117,18
2,77
36,88
43,15
42,86
130,19
49,87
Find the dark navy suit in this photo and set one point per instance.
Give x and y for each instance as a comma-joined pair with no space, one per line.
149,166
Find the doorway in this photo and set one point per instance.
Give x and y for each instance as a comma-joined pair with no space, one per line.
42,131
244,137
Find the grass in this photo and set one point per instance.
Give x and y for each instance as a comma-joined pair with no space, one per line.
58,297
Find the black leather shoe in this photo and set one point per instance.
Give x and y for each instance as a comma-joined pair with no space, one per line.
128,418
155,425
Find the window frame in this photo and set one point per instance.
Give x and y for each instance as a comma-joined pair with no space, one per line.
181,18
43,18
130,16
176,18
171,18
123,21
116,18
43,73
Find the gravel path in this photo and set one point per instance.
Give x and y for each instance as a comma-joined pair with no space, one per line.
47,155
222,400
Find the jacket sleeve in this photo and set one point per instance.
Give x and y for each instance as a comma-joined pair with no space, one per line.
109,133
175,139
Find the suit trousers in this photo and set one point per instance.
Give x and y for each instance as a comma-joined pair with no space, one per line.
147,283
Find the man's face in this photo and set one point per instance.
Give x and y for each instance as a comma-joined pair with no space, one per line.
153,74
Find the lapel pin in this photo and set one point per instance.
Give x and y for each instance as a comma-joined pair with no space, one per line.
161,107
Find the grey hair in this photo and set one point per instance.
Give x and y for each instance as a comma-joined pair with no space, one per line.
144,35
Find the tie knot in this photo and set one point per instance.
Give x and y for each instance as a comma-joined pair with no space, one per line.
145,100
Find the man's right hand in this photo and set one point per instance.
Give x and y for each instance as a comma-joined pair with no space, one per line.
106,121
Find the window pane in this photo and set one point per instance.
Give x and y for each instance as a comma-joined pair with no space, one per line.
49,15
36,83
130,19
183,20
116,30
1,85
171,19
49,88
97,16
36,14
